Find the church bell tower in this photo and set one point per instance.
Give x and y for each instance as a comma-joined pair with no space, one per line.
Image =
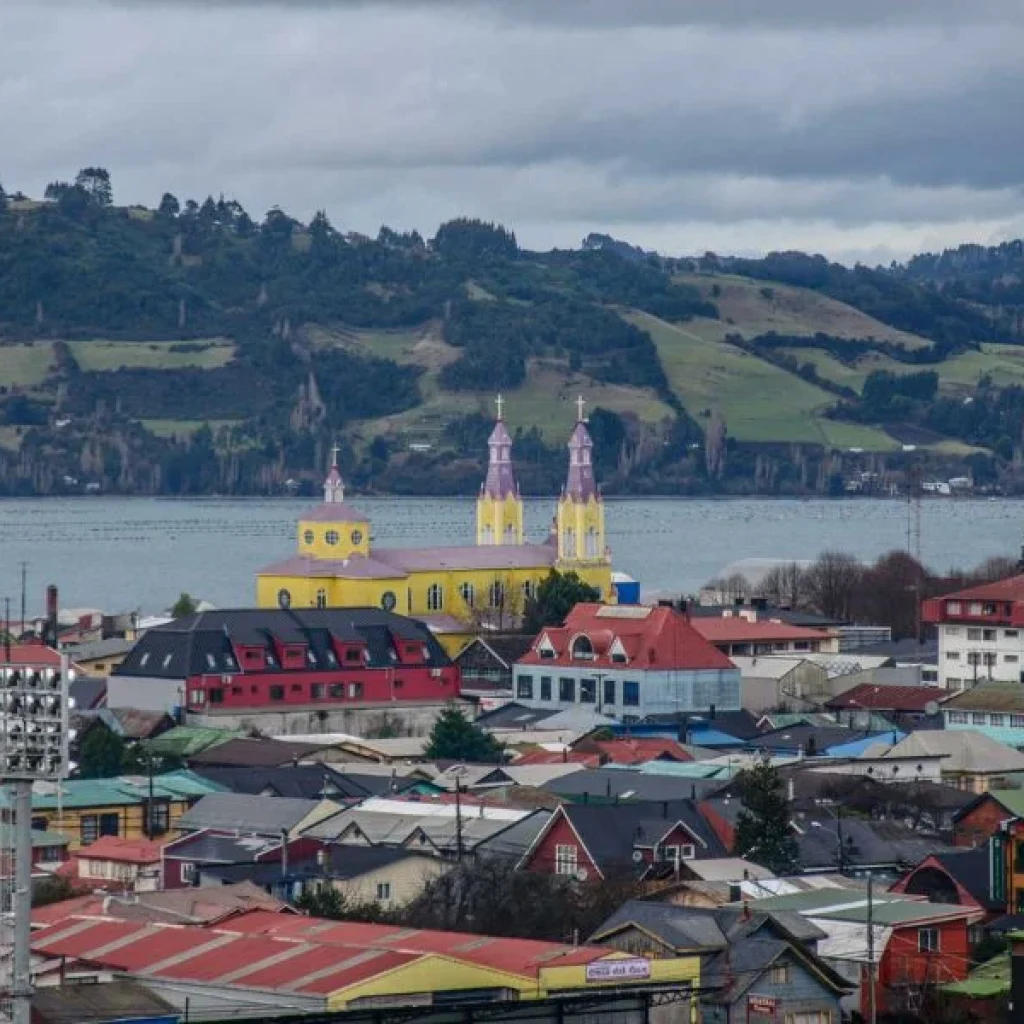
499,508
580,517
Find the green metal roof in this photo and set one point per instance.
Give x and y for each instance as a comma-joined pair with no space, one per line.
120,792
989,979
1011,799
851,905
185,740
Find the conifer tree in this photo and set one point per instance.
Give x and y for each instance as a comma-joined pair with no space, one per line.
762,828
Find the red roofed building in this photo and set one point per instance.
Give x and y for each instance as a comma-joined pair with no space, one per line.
903,704
981,633
629,751
119,864
746,634
627,662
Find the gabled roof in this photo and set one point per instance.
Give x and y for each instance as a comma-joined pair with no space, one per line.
865,843
966,751
888,698
119,999
988,696
252,752
248,814
612,832
628,751
304,781
623,785
1012,800
506,648
739,629
122,791
653,637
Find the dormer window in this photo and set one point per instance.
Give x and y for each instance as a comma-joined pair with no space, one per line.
582,649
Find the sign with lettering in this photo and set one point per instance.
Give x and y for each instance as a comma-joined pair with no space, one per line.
766,1005
616,970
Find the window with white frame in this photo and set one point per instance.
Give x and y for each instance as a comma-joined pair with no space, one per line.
435,597
952,655
566,859
952,631
998,721
1010,634
953,608
928,940
979,718
1011,659
1017,721
780,974
810,1017
973,634
467,593
974,608
957,717
383,891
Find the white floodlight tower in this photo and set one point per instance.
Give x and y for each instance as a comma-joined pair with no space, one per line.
34,736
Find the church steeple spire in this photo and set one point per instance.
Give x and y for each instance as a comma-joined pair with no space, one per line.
580,484
500,482
499,509
334,486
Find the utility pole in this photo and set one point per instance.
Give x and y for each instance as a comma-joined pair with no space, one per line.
458,820
7,629
839,837
24,580
872,1009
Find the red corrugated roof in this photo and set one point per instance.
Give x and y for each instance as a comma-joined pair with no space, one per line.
29,654
736,629
556,757
124,851
652,638
292,948
888,698
638,751
1010,589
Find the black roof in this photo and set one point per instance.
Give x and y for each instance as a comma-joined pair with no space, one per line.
907,650
611,832
306,781
864,843
219,848
807,737
514,716
254,752
623,785
791,616
971,869
203,643
508,648
340,862
88,692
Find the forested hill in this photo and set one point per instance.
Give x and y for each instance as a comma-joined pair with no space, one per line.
195,348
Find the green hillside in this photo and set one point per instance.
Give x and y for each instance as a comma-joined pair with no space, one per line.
193,348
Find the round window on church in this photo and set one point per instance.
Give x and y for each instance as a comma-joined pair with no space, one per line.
284,598
388,601
331,537
357,536
308,536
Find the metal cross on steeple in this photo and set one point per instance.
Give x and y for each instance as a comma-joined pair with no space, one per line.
334,455
499,402
580,402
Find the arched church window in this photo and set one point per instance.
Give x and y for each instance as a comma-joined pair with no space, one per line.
488,534
569,543
529,590
435,597
321,598
510,534
331,537
591,543
467,593
496,595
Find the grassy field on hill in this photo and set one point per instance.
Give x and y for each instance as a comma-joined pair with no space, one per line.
546,400
206,354
757,307
759,401
25,366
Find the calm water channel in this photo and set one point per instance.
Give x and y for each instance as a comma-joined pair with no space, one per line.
121,554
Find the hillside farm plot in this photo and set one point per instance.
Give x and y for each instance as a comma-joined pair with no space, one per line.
1003,363
756,307
759,401
203,354
25,366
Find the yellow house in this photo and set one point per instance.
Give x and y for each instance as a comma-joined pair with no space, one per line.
85,809
456,589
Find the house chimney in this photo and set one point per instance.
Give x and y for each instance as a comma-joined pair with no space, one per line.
746,911
664,808
711,712
790,789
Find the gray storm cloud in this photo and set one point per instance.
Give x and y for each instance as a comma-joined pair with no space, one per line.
845,127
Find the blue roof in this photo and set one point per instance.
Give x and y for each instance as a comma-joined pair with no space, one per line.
121,791
706,736
857,747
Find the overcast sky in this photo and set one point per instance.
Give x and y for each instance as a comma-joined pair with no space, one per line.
837,126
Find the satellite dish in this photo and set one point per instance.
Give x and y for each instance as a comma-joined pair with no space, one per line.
638,855
582,875
931,708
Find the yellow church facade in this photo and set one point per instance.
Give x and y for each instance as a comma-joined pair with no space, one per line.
458,590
